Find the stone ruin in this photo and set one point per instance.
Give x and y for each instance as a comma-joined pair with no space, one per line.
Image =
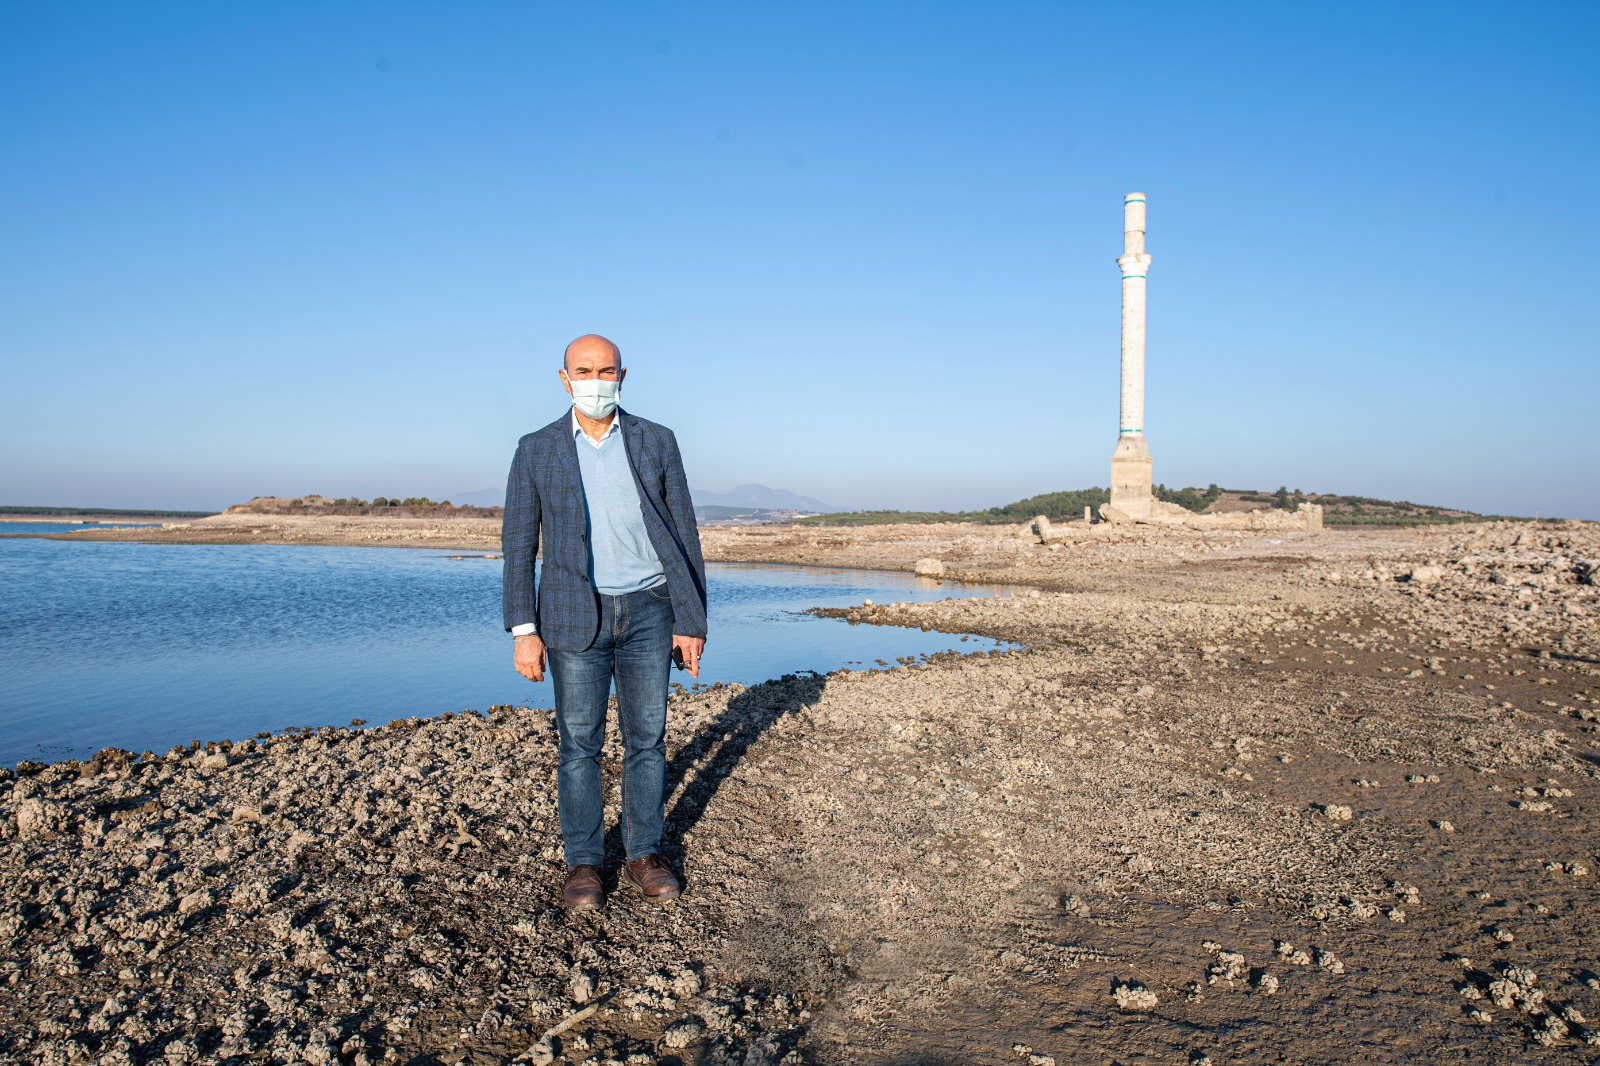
1132,497
1307,517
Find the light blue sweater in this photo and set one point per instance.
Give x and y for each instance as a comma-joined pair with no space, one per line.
621,557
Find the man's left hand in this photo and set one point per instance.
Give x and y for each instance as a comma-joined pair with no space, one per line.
690,649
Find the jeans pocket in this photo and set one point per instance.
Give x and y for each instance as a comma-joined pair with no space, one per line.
661,592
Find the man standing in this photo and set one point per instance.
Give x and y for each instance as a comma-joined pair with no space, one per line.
622,592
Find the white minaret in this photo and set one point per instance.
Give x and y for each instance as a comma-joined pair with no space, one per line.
1130,463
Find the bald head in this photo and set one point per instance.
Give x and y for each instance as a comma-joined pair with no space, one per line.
591,351
591,358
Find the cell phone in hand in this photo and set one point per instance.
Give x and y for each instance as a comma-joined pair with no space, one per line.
677,658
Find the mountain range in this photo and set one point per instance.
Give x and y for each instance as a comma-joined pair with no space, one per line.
753,495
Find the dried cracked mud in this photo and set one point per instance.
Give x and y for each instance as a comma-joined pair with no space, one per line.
1238,798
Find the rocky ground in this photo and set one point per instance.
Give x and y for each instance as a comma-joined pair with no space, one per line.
1239,798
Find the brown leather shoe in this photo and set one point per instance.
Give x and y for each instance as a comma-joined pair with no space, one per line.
583,890
654,877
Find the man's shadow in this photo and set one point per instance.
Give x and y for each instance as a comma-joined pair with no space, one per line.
716,750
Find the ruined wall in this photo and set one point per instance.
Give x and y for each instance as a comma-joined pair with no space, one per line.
1307,517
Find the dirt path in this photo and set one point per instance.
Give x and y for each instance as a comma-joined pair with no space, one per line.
1242,798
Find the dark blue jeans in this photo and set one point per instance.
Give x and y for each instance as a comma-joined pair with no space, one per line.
634,646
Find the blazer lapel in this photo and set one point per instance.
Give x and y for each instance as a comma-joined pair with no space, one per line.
568,453
633,437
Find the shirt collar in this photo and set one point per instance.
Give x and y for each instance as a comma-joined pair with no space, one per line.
614,427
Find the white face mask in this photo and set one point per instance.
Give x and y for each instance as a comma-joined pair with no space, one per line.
595,397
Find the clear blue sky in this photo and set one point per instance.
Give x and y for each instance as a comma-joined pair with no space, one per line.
860,251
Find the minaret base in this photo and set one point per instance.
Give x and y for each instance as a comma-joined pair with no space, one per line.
1130,477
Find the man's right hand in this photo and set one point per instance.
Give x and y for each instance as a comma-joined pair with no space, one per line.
528,657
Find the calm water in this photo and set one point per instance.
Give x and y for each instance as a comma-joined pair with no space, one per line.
143,646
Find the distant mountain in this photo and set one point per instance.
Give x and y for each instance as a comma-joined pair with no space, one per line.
481,498
760,496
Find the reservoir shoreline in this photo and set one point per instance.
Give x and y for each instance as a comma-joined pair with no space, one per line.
1237,791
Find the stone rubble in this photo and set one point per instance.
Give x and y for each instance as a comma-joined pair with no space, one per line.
873,860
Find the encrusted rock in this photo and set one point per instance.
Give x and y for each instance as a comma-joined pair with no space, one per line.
580,989
683,1033
41,817
198,900
1134,997
1230,966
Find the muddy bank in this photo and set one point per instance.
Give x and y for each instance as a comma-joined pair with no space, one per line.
1240,798
77,518
465,533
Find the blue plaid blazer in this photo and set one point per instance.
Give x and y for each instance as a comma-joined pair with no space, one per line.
544,498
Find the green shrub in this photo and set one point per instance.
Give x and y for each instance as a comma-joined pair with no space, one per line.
1053,505
1189,499
1057,506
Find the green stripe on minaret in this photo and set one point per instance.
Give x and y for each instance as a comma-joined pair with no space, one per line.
1140,200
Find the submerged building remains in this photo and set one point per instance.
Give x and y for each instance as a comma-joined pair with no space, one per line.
1132,496
1130,462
